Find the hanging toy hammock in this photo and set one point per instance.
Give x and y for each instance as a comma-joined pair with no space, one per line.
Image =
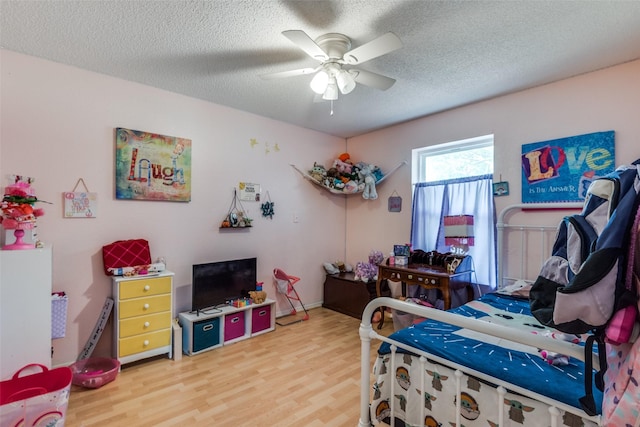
236,217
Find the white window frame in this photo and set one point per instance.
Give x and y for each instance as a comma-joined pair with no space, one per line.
419,155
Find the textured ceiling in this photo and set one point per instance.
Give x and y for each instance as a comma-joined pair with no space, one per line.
455,52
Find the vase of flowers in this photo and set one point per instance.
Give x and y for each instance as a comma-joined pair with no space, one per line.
18,212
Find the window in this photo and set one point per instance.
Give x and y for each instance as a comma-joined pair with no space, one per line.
456,179
458,159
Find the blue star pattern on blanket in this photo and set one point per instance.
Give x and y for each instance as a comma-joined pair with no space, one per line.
518,364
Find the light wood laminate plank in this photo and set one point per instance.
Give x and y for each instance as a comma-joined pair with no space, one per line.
306,374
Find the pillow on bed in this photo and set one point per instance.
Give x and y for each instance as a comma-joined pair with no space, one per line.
519,288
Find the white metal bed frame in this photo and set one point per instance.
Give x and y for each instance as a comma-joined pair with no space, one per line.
367,334
545,231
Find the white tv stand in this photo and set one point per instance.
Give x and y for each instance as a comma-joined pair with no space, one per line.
213,328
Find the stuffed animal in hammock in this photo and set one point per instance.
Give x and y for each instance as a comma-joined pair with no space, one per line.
366,176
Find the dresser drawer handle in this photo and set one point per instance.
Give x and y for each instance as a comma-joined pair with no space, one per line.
206,328
146,306
146,343
147,324
410,276
147,287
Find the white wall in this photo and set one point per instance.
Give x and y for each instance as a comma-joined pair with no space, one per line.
58,126
608,99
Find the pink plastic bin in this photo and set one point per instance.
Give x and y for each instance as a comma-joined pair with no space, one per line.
94,372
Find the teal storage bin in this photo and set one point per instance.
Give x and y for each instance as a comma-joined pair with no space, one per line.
206,334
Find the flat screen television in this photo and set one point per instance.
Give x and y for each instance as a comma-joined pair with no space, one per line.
216,283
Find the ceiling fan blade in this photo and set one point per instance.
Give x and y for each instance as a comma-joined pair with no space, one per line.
375,48
377,81
290,73
304,42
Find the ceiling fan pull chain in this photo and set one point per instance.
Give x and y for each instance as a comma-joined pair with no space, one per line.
331,112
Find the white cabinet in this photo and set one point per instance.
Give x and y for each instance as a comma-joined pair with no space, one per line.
143,316
225,325
25,309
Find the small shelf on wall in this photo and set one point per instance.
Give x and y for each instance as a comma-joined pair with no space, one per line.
338,191
236,218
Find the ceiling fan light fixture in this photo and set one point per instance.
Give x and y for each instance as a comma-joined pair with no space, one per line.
333,51
331,94
320,82
346,82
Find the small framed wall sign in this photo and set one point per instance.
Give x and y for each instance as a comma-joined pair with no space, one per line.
249,192
501,188
80,204
395,202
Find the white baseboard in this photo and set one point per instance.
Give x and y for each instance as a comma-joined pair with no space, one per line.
299,309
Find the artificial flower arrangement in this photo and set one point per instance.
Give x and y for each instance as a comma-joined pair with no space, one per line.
17,207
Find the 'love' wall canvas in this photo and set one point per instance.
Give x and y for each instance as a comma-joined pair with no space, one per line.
561,170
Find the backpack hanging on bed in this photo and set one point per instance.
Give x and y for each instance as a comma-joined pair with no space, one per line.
581,286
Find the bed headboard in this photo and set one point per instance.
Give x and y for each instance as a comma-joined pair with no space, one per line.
525,236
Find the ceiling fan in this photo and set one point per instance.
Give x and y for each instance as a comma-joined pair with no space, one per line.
334,52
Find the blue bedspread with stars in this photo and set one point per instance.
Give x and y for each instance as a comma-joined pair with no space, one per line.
518,364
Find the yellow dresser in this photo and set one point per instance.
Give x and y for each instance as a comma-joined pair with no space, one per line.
143,316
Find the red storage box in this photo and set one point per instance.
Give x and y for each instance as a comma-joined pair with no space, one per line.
39,399
125,253
233,326
260,319
95,372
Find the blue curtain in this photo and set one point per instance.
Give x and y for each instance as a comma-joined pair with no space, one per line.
464,196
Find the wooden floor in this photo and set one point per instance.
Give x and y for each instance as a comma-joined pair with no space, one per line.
305,374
